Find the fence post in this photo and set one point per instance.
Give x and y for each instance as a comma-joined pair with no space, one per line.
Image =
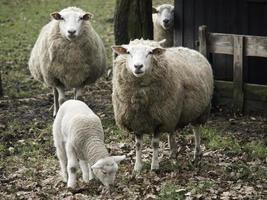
202,37
238,93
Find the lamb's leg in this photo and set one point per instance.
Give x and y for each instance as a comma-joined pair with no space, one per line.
61,154
56,105
138,147
172,145
72,166
61,94
155,147
85,170
78,92
91,174
197,151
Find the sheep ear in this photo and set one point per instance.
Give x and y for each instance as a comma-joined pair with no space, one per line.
162,41
118,159
97,165
154,10
119,49
87,16
56,16
158,51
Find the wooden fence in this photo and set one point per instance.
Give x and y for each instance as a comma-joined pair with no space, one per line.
243,97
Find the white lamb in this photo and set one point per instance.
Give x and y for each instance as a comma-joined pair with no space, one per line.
157,90
79,138
163,20
68,54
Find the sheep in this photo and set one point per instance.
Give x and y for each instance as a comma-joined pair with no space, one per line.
68,54
163,20
79,137
158,89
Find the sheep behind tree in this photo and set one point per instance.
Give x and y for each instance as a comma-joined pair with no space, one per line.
68,54
159,90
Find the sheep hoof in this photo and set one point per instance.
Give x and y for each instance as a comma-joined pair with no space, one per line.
197,159
155,167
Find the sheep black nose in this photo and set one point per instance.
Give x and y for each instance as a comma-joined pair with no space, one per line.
138,66
72,32
166,21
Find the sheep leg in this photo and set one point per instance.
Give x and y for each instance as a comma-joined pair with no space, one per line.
197,151
72,166
78,92
56,105
91,174
85,170
61,154
138,147
155,147
61,94
172,145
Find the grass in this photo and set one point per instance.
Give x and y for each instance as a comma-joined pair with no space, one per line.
170,191
216,140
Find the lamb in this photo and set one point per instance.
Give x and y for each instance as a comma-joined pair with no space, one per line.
68,54
78,136
163,20
158,90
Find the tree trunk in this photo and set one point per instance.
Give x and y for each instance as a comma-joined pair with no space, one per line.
1,87
133,20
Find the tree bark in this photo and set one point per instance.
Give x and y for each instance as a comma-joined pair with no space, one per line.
133,20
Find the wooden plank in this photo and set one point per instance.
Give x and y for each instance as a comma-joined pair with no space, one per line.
178,23
238,94
256,46
220,43
202,37
223,44
253,92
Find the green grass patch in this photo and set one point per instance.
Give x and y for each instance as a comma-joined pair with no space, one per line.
214,140
170,191
256,149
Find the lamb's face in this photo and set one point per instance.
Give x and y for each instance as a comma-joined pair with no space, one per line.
105,169
165,16
139,57
71,22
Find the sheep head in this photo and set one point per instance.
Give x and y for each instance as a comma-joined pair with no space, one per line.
139,55
165,15
71,21
105,169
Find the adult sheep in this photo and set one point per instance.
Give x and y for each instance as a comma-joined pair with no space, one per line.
163,20
68,54
159,90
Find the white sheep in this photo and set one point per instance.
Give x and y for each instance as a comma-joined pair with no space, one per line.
68,54
159,90
79,138
163,20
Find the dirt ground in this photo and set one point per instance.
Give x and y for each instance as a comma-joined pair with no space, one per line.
229,169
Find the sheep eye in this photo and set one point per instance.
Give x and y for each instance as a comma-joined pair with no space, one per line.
128,52
104,172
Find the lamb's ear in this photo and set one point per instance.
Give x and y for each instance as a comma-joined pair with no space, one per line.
87,16
158,51
119,49
118,159
97,165
162,41
56,16
154,10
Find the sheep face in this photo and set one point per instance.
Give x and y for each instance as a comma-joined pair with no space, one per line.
165,16
70,22
139,57
105,169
